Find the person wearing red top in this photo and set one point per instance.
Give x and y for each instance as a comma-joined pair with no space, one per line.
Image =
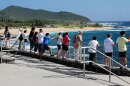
65,43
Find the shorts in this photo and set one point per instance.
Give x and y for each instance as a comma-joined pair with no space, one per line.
46,47
122,54
40,47
25,40
108,54
59,47
65,47
92,56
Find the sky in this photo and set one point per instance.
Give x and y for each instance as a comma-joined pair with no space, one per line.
96,10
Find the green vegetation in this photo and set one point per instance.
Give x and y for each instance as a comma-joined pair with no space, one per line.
15,16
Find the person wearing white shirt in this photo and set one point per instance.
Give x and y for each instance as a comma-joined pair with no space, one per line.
40,39
20,38
93,46
108,47
59,44
25,37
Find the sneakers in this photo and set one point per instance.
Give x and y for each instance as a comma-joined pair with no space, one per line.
51,55
125,65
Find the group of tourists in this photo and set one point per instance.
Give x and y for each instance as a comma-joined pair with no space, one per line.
40,42
108,48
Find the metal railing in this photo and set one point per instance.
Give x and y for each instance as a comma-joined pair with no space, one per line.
84,61
103,67
1,47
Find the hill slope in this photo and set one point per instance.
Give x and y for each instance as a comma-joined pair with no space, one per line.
20,13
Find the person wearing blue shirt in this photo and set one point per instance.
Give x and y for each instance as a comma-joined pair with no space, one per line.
45,45
46,40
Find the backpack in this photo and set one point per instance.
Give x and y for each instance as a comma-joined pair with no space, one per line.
21,37
8,35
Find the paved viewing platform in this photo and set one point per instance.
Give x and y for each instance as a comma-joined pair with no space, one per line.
26,71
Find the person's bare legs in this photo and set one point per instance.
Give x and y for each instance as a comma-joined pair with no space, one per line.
106,62
120,60
50,50
125,61
63,54
58,53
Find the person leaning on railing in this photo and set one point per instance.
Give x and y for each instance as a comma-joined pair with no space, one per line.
45,45
77,45
108,47
122,48
31,36
65,46
35,40
7,36
40,39
59,44
25,38
92,47
20,38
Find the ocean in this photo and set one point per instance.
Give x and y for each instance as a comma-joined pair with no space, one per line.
101,35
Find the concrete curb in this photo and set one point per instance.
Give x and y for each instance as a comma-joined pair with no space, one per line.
95,68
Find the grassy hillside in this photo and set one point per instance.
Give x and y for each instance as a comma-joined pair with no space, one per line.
24,14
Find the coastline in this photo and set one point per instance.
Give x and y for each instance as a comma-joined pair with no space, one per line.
15,31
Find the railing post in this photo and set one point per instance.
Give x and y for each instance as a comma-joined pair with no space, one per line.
9,47
80,53
84,63
1,51
69,51
110,71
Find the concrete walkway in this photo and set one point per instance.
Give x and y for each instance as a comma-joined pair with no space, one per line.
32,72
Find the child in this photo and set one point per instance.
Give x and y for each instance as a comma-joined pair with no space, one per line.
35,41
45,45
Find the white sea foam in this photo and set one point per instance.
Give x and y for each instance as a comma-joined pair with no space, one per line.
109,24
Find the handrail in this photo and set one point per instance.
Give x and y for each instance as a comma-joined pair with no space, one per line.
81,47
109,58
109,72
106,69
99,65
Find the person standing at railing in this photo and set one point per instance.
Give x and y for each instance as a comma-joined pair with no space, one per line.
40,39
122,48
20,38
80,49
35,39
45,45
25,38
31,36
59,44
77,45
65,45
92,53
108,47
7,36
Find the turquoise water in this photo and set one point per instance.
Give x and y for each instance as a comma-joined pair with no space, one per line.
101,35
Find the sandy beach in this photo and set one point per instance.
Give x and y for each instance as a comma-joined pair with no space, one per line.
50,30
